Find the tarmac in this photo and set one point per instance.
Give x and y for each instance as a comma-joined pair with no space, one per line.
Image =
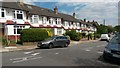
29,47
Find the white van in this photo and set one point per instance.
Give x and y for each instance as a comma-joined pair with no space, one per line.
105,37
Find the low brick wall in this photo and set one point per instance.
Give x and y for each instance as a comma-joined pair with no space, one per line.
29,43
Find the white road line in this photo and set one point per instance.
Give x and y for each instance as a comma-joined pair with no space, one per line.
21,58
56,53
28,52
35,54
87,50
100,52
25,59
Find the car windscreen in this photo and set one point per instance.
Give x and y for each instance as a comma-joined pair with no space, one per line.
51,38
115,40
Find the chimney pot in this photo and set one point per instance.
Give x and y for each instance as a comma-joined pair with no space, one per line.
74,15
56,9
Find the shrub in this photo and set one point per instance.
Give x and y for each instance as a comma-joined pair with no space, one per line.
33,35
73,35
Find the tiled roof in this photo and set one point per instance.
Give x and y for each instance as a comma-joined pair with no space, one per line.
40,11
37,10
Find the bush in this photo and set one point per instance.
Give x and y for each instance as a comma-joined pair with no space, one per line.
73,35
33,35
83,35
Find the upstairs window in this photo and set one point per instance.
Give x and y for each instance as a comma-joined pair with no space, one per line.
18,14
34,18
58,21
2,12
50,21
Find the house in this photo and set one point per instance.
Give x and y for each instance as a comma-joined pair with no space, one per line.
15,16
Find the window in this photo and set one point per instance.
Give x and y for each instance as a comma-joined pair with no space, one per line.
50,21
2,12
59,31
34,19
56,21
17,29
18,14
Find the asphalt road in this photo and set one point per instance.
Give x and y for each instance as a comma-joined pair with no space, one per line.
78,54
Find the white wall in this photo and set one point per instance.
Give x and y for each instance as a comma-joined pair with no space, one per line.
10,30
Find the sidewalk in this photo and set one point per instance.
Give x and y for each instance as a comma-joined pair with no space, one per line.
29,47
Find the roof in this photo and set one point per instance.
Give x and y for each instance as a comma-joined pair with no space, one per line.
38,10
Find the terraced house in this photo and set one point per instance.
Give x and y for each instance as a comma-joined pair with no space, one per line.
15,16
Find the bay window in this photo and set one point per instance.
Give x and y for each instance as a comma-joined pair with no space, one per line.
34,19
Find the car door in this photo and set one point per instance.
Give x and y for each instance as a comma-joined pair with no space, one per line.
57,41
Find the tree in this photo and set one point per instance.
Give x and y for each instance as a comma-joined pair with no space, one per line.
110,29
102,29
117,28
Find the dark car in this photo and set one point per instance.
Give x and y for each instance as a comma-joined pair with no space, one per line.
54,41
112,50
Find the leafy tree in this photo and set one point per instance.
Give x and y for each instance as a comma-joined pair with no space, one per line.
110,29
102,29
117,28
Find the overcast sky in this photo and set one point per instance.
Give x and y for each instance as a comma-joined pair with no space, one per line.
97,10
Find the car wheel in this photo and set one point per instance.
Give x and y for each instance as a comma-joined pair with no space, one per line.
50,46
66,44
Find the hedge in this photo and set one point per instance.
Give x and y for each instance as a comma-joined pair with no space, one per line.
73,35
33,35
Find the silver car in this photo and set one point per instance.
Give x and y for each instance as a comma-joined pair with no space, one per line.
54,41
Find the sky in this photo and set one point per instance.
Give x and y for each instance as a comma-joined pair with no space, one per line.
97,10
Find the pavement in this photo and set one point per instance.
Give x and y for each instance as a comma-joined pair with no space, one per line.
29,47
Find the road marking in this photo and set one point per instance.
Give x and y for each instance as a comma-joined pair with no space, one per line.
56,53
87,50
100,52
35,54
21,58
25,59
28,52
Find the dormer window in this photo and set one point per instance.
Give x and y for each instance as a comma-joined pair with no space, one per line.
18,14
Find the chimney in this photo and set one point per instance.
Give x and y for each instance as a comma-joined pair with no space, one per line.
88,21
93,21
84,20
74,15
56,9
21,2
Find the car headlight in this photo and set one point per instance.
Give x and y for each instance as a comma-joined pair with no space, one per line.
107,50
45,42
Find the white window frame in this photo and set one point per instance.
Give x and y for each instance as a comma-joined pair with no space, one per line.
35,19
51,21
59,31
18,12
44,20
4,12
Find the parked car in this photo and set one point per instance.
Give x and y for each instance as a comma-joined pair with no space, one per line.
112,50
54,41
105,37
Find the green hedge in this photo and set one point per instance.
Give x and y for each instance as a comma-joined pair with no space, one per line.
33,35
73,35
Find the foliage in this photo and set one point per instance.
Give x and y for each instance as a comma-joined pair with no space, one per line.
33,35
102,29
73,35
110,29
5,41
117,28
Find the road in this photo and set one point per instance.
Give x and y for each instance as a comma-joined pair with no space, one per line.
77,54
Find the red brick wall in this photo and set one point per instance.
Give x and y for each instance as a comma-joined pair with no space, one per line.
12,37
